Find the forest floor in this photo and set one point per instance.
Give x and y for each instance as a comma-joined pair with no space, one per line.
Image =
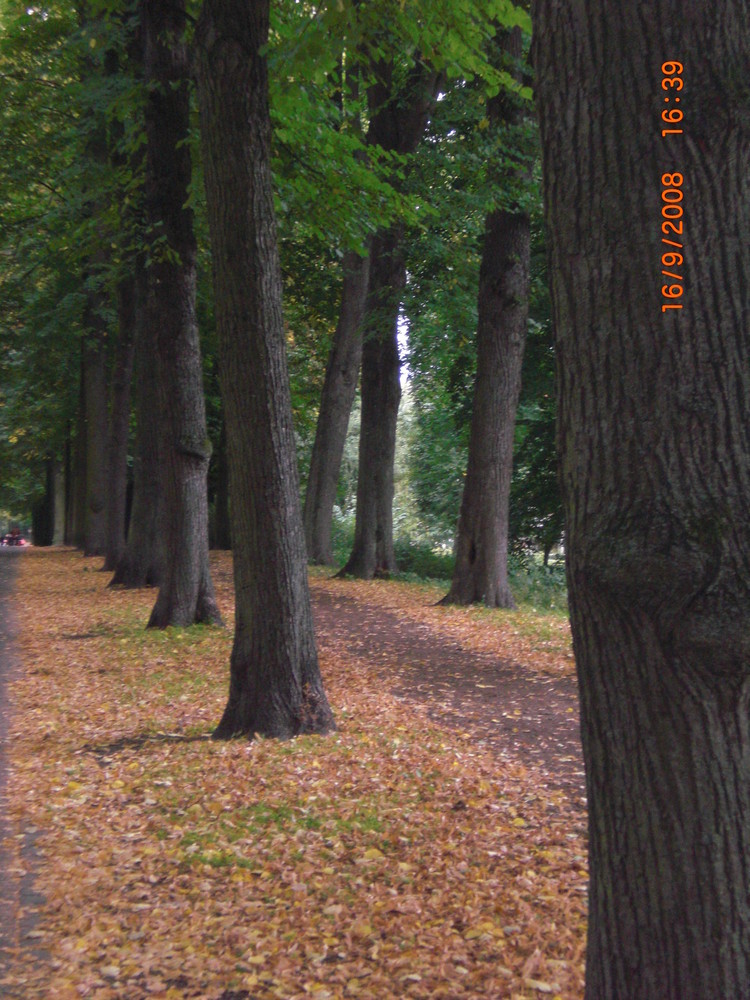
434,846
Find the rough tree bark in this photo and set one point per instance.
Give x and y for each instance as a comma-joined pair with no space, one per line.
142,561
397,123
119,423
186,594
95,420
275,684
222,534
481,569
372,552
654,437
339,390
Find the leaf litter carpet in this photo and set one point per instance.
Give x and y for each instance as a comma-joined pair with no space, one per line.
434,846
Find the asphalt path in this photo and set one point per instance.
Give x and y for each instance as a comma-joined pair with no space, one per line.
18,856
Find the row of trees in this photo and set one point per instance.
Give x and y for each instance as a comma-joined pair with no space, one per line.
116,175
653,402
430,157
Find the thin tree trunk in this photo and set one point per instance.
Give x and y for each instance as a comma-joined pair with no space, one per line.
339,390
481,568
186,594
119,423
655,462
275,685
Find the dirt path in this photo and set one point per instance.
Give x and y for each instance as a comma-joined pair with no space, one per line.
512,711
18,857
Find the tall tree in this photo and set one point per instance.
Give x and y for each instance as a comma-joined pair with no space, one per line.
339,390
275,684
119,421
142,561
481,568
645,125
186,594
399,112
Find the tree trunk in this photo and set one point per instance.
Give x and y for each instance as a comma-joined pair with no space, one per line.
275,685
58,502
95,417
481,569
78,468
372,553
398,122
142,562
119,423
222,535
655,462
69,537
186,594
339,390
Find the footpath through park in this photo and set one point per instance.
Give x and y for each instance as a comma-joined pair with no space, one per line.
18,855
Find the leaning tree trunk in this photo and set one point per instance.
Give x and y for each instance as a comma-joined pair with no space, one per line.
339,390
186,594
654,398
275,684
142,561
119,423
481,569
398,123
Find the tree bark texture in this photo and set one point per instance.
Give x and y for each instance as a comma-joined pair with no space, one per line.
78,469
398,120
372,553
119,423
58,502
186,594
142,561
481,568
222,533
339,390
275,684
654,437
95,418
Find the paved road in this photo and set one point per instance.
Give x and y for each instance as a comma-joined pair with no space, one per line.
18,857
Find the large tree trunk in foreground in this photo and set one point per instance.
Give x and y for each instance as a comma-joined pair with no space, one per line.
275,685
481,570
654,434
142,561
119,423
186,594
398,122
339,390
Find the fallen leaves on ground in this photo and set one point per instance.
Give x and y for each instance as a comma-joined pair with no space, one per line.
540,641
392,859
